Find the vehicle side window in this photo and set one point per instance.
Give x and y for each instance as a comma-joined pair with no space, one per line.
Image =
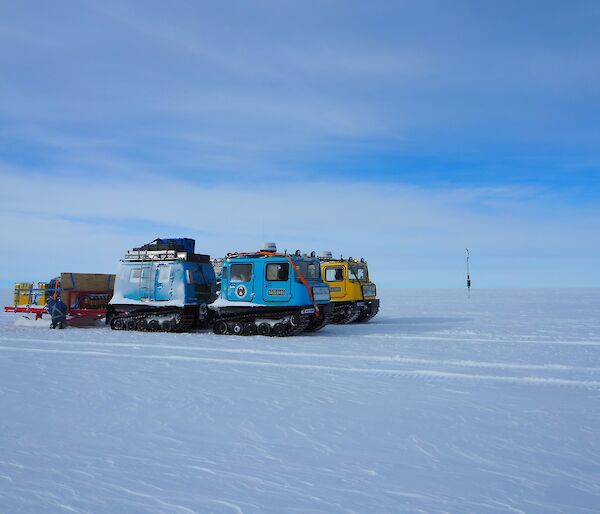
334,274
310,270
278,272
164,274
241,273
136,273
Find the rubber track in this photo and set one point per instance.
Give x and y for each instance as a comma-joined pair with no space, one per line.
319,323
305,321
186,322
294,331
370,314
353,313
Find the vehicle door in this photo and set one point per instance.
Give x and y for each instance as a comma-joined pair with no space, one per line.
278,281
162,287
144,275
335,279
241,281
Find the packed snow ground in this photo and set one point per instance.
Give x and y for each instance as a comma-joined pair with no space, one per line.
440,404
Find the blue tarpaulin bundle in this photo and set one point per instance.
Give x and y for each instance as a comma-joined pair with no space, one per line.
180,244
186,244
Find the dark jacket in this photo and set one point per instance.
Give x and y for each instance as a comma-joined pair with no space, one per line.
56,309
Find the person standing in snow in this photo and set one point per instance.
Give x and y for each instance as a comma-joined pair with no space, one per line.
58,312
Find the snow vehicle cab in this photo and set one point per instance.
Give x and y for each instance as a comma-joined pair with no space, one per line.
352,293
162,285
270,293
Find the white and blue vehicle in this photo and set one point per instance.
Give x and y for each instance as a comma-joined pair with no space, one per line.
270,293
163,285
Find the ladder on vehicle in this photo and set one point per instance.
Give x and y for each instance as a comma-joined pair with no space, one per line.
146,282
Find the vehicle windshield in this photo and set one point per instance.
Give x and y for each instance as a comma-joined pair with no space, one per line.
278,271
358,272
310,270
241,273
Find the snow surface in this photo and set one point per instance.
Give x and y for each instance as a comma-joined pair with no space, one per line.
440,404
119,299
223,302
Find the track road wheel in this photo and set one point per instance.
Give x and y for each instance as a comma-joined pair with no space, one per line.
295,320
317,324
351,315
250,329
142,325
131,324
278,330
362,317
369,313
166,325
264,329
153,325
236,328
220,328
117,324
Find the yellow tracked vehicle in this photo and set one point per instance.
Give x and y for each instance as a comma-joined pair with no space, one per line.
353,295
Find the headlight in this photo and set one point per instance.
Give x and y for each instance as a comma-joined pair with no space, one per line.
321,293
369,290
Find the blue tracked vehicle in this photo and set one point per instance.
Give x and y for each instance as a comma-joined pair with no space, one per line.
163,285
270,293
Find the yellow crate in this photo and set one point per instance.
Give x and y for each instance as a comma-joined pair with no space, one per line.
41,295
26,294
23,294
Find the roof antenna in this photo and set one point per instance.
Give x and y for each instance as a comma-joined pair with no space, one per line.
468,276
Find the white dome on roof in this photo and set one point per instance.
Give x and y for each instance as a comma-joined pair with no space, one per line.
326,254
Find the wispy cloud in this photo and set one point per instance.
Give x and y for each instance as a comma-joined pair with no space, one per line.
413,235
275,78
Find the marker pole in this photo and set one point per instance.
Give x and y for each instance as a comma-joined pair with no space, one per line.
468,276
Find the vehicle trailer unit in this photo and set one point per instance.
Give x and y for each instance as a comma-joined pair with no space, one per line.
353,295
162,286
86,296
270,293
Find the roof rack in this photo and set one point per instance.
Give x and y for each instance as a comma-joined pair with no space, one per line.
330,258
154,255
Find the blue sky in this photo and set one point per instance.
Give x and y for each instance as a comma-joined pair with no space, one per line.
401,131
